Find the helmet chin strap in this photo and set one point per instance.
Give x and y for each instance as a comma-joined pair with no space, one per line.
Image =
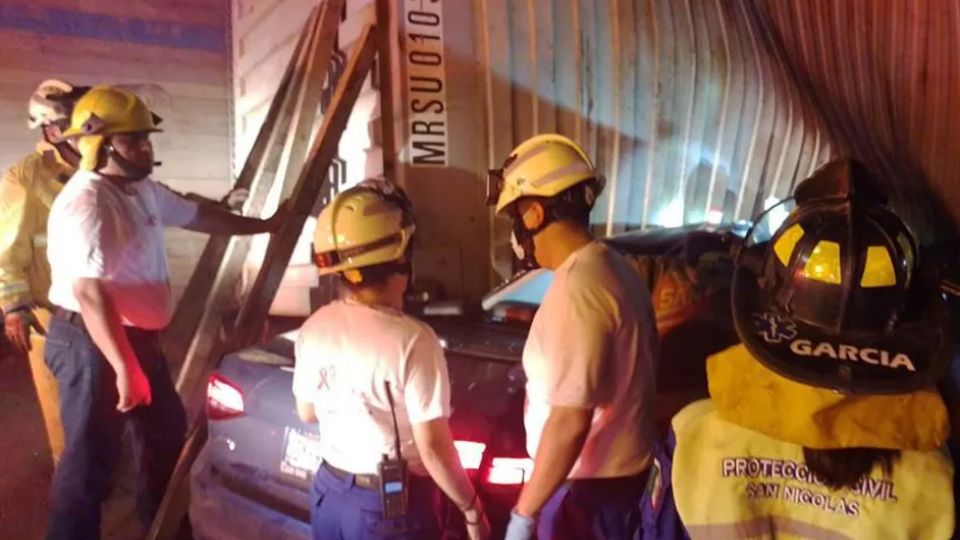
522,240
66,153
134,172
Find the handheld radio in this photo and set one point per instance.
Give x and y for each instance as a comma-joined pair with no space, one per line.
393,472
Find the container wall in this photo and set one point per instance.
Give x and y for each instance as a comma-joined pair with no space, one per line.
678,102
884,77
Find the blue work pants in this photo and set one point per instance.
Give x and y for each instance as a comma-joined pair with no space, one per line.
94,429
342,510
594,509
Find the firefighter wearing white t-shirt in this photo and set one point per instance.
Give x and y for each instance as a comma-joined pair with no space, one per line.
111,287
590,358
375,380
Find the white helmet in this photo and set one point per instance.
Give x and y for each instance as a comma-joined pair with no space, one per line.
52,101
542,166
366,225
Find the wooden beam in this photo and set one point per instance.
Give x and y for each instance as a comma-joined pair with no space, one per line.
205,346
312,178
181,333
195,336
168,525
295,150
385,37
211,340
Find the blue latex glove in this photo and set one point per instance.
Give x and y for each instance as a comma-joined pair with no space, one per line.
520,527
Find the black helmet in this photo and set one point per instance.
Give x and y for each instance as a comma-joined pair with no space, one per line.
835,298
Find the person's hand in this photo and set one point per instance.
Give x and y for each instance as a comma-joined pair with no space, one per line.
235,199
520,527
133,388
17,325
478,526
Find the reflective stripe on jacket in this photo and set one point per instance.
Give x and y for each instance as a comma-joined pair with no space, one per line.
730,482
27,190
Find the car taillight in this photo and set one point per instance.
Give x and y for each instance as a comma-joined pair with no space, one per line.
513,314
224,399
509,471
471,453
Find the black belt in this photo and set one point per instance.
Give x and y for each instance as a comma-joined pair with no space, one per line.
636,483
368,481
76,319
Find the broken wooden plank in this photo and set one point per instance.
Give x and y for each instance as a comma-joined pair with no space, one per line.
193,340
176,501
308,101
204,348
312,178
195,329
384,86
168,524
182,330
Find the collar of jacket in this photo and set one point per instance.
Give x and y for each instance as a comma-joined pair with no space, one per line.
750,395
52,156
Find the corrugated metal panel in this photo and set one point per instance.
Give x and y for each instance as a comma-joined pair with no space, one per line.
180,45
884,77
678,101
694,109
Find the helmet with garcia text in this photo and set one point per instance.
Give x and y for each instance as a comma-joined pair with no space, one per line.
836,298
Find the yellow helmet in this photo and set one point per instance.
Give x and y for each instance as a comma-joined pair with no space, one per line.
106,110
366,225
542,166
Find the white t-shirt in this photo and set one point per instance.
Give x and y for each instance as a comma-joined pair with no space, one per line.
100,230
344,354
593,344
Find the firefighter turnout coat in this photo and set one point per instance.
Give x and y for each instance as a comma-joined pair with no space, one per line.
27,190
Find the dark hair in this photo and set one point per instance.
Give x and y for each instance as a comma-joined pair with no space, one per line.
572,205
844,467
376,275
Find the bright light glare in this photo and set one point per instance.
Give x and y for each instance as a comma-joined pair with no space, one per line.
714,216
224,396
471,453
510,471
776,216
671,215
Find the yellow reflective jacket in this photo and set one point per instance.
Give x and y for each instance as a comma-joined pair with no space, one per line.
27,190
730,482
738,469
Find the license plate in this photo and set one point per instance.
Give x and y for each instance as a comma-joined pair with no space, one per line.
301,454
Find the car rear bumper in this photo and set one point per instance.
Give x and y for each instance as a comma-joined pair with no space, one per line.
221,510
